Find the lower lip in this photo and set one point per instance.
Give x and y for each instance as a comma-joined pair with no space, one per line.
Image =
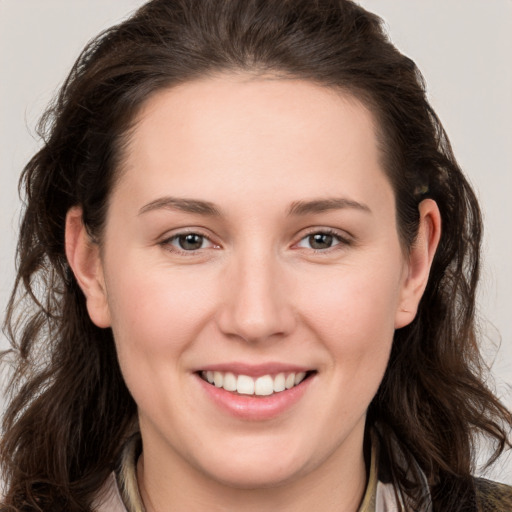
252,407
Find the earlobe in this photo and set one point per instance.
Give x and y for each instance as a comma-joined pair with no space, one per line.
83,256
421,255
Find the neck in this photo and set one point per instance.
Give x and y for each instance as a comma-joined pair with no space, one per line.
337,483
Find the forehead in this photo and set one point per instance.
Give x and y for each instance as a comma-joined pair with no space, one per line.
246,132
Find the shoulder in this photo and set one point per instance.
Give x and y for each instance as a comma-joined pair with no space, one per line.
493,496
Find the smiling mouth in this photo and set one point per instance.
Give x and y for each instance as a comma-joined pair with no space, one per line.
265,385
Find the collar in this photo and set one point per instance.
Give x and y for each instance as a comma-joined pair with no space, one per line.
380,495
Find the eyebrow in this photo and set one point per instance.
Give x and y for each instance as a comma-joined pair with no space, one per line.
207,208
182,204
324,205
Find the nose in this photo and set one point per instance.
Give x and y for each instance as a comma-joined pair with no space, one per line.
257,303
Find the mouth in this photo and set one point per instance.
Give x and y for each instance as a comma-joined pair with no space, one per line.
261,386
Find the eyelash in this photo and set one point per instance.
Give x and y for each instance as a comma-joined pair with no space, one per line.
167,243
341,241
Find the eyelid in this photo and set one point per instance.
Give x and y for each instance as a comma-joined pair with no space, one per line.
344,239
166,240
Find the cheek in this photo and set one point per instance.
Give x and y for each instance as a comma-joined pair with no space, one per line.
155,319
355,304
354,316
154,313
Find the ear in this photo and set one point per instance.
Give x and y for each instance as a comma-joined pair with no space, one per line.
421,255
83,256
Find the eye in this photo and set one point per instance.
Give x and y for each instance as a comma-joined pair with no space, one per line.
321,240
188,242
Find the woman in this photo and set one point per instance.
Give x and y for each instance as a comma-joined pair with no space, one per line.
254,261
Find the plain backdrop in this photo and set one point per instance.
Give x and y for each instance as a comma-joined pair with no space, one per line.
463,47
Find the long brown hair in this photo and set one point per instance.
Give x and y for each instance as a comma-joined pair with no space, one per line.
70,409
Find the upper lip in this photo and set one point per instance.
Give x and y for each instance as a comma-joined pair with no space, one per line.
255,370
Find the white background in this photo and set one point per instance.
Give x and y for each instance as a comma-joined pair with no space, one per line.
463,47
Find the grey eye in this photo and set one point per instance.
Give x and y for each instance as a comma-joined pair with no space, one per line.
190,241
187,242
320,240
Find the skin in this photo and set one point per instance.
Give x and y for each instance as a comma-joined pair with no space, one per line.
256,291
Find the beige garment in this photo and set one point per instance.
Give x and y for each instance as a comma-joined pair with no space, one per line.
109,499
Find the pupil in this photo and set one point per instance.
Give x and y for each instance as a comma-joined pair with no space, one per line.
320,241
190,242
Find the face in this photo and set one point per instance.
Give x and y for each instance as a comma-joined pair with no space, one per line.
253,277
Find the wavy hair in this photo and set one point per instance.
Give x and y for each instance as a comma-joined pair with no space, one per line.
70,410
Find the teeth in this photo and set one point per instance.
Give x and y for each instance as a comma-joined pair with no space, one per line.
279,383
230,382
299,377
245,385
218,379
262,386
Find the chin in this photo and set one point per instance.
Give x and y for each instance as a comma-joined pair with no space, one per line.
255,478
262,470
